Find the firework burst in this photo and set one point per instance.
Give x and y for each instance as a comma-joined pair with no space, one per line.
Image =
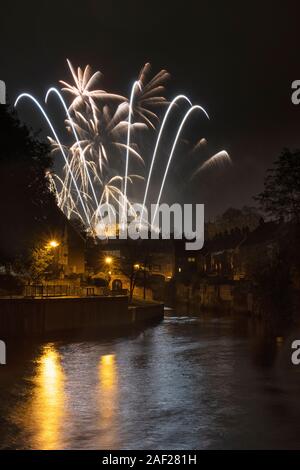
104,130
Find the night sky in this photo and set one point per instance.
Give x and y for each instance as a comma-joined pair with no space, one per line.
237,59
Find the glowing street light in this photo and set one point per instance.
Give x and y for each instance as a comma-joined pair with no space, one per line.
108,260
53,244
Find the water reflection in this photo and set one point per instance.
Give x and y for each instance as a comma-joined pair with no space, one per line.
48,401
190,382
108,399
43,413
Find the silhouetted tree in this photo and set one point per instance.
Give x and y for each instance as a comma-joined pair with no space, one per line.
234,218
25,198
79,226
281,195
134,264
273,286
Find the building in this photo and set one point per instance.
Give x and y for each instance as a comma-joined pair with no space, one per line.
258,247
217,258
115,260
158,255
68,243
72,251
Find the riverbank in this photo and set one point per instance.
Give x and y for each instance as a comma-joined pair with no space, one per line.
45,317
236,296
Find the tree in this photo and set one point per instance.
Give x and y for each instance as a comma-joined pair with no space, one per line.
41,259
79,226
234,218
134,264
272,282
281,195
25,197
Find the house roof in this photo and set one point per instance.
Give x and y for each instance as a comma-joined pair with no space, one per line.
224,241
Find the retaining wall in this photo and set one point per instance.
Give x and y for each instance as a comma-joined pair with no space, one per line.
41,317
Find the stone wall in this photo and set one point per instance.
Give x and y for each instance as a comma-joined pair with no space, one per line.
23,317
205,295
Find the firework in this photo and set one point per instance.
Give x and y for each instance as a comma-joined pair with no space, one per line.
219,158
103,155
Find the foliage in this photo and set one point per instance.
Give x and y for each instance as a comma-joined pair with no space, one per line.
41,259
79,226
25,198
135,264
281,195
233,218
271,276
10,284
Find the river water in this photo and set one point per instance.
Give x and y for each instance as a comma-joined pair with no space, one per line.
197,381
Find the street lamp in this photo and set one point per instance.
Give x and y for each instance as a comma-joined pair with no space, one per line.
53,244
52,247
108,260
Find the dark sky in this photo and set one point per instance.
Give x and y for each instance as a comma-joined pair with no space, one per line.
237,59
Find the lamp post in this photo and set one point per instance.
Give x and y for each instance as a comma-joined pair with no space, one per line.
53,245
108,260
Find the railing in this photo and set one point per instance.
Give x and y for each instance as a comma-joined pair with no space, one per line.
52,291
62,290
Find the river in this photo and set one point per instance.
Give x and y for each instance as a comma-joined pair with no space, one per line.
190,382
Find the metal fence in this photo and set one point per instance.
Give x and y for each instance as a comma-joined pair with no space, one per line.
62,290
52,291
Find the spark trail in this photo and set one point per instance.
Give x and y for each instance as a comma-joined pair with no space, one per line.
101,127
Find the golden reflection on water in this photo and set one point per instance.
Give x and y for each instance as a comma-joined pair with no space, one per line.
108,397
45,412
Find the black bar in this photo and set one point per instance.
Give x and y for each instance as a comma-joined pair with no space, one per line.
139,458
